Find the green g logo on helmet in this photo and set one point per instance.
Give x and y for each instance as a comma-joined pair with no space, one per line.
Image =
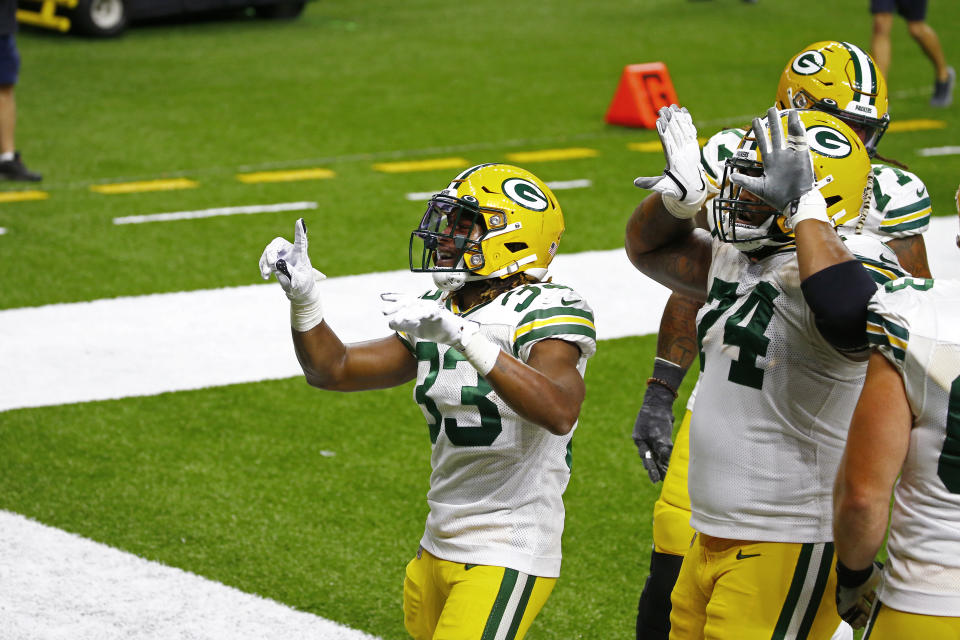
809,63
828,142
525,193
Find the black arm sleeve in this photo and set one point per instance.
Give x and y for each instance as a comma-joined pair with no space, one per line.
838,297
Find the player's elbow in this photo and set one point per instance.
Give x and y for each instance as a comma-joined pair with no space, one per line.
563,419
856,502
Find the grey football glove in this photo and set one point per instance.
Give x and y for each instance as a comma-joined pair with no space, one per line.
787,183
856,593
653,429
787,166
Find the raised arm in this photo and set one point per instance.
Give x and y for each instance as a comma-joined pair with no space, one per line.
662,240
327,363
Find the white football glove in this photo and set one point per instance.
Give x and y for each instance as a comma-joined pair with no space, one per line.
429,321
787,183
291,264
683,183
855,602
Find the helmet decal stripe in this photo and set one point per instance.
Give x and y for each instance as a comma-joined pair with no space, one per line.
465,173
866,74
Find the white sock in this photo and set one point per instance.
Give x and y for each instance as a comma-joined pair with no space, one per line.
7,156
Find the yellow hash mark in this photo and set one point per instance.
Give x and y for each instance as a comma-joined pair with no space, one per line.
422,165
654,145
549,155
916,125
146,185
22,196
285,176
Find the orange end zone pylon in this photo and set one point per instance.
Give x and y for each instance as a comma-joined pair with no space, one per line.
643,89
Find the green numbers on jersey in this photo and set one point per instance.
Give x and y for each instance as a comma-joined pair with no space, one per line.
476,396
882,199
920,284
750,336
948,467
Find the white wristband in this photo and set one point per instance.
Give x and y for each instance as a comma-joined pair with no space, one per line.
481,352
810,206
680,209
306,315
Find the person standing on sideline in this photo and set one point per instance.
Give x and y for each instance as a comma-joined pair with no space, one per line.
11,165
915,13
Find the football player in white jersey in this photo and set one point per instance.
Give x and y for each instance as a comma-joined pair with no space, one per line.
498,354
775,397
905,424
838,78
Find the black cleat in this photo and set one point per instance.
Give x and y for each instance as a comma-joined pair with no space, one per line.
16,170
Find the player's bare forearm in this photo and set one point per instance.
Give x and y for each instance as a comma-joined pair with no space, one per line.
818,247
651,226
858,526
548,390
677,338
329,364
876,448
671,251
912,255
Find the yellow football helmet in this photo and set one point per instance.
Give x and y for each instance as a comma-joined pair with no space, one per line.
840,165
492,221
842,79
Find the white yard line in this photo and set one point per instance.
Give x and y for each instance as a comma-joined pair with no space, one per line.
56,585
939,151
218,211
144,345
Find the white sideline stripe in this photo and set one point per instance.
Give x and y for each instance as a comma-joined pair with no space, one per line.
219,211
559,185
55,584
939,151
145,345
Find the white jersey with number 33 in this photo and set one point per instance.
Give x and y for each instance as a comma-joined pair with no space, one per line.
497,482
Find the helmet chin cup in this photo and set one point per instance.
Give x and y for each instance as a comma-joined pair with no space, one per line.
449,280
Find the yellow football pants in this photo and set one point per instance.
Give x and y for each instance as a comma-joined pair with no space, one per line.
452,601
740,590
893,624
671,512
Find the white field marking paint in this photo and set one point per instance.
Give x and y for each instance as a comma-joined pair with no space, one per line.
96,350
559,185
55,584
219,211
939,151
144,345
